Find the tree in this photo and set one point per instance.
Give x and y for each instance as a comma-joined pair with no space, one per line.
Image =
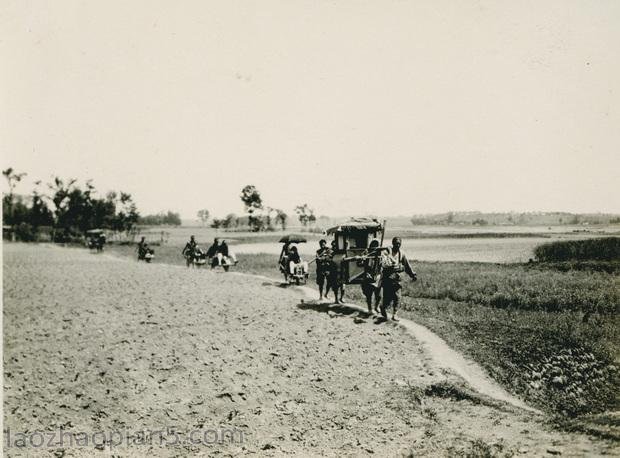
104,212
231,220
13,178
275,216
172,218
216,223
203,216
40,214
305,214
14,212
251,198
78,215
252,201
281,218
269,214
77,210
60,198
73,211
169,218
127,216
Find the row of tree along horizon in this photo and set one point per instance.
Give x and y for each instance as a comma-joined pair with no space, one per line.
259,216
67,211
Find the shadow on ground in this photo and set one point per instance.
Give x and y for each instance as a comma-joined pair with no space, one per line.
340,310
278,284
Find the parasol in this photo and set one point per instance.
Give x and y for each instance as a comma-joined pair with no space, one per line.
293,238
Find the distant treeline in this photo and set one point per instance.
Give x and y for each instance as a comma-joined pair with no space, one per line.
516,219
64,212
599,249
467,235
168,218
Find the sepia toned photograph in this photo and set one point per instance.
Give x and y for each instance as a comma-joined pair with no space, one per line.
329,228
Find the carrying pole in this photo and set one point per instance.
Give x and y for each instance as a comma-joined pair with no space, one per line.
382,234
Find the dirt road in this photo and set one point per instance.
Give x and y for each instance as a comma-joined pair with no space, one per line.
94,343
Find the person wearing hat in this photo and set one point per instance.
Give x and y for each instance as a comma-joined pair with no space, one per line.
394,263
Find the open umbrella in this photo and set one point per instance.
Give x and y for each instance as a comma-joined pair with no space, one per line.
293,238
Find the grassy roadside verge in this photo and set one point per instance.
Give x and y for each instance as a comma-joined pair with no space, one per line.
536,343
553,338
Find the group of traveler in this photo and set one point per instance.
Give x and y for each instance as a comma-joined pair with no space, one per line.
381,280
218,253
329,273
382,276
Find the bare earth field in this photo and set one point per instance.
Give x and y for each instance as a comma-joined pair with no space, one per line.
94,343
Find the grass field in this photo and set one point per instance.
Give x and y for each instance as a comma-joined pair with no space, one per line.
549,334
534,341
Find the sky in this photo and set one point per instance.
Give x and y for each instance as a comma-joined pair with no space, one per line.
354,107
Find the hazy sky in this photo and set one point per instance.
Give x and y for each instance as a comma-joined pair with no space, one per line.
356,107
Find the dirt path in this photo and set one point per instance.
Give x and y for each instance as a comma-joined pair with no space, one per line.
92,343
443,356
448,359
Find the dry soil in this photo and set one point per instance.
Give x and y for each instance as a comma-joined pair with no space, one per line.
95,343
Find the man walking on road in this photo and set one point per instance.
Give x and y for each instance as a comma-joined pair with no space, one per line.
371,285
189,249
323,261
394,263
335,280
